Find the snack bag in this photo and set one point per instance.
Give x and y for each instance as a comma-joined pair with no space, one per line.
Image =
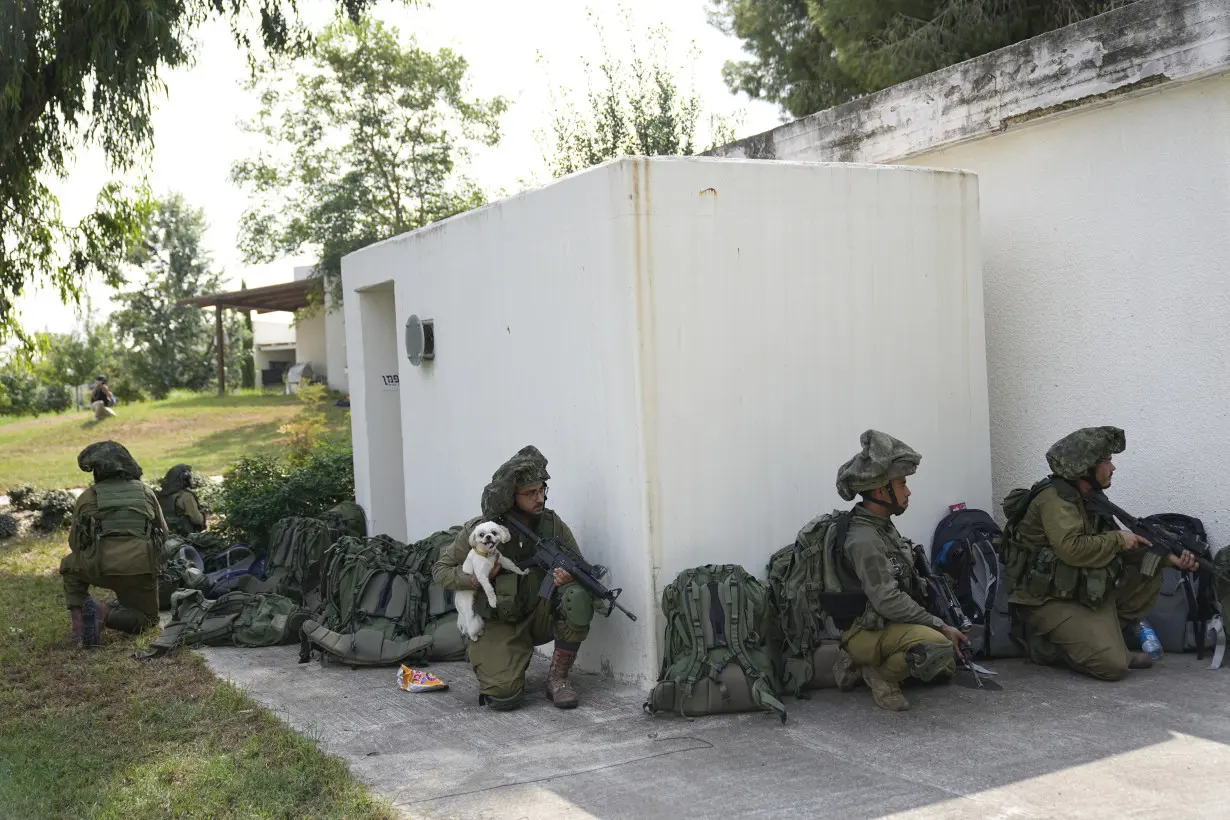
416,680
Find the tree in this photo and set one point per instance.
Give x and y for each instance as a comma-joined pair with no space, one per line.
364,138
808,55
76,358
248,380
75,73
169,345
632,108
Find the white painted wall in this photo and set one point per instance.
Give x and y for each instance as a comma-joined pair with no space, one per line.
1106,235
322,340
272,331
694,344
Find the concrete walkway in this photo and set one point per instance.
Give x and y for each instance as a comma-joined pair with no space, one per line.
1049,745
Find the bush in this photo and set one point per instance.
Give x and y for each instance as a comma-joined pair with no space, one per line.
57,399
259,491
54,508
305,430
8,526
20,497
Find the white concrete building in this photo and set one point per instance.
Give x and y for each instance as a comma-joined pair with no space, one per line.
1103,157
695,345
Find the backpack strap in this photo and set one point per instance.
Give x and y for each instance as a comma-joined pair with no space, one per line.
739,637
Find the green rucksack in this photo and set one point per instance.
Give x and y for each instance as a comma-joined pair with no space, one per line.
296,547
714,656
235,619
374,603
346,518
181,568
803,586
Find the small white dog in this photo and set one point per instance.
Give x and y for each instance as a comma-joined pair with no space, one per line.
485,543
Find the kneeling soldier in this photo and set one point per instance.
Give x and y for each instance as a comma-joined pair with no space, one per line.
116,537
521,620
895,638
1075,579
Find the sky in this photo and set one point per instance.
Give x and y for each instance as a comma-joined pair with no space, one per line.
197,133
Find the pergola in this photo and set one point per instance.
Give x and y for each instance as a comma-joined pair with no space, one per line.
288,296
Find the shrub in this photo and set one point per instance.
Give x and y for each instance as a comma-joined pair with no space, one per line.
56,399
20,497
259,491
8,526
304,431
54,508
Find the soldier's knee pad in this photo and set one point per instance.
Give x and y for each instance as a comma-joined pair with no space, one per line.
576,606
124,619
927,661
503,704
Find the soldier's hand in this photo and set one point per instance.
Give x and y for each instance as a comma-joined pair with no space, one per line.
1185,562
562,577
1133,542
956,636
495,569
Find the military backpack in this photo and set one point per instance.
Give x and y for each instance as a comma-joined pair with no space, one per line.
296,547
715,658
966,549
235,619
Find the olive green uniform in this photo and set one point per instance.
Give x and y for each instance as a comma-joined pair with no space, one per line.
894,623
124,562
1074,586
182,512
521,620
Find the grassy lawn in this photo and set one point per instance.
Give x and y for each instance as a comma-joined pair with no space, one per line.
97,734
207,431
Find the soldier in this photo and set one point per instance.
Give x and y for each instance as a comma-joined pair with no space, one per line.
1074,578
180,506
895,638
521,620
117,533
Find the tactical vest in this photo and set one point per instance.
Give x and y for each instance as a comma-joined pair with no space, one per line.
122,510
176,523
1037,569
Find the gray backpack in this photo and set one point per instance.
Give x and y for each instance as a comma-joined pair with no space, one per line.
714,656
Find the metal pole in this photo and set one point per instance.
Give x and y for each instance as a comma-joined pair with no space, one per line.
221,350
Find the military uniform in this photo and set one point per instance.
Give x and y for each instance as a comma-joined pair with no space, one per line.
1072,585
180,506
117,532
895,638
521,620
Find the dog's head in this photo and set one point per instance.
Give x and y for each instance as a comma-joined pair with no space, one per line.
487,537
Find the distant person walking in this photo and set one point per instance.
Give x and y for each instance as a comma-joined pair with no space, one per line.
101,399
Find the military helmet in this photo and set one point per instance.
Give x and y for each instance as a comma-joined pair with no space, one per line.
528,466
1076,454
108,459
882,459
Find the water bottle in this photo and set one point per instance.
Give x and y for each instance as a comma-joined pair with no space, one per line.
1148,640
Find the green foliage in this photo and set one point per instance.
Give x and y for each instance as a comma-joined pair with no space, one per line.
633,108
81,73
304,431
808,55
8,526
259,491
167,345
54,509
77,357
19,497
363,138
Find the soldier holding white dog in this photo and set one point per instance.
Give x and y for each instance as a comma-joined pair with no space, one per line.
520,620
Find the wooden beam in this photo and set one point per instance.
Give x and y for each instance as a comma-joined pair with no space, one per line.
221,350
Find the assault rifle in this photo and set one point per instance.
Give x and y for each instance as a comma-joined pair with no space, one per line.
550,556
942,603
1164,542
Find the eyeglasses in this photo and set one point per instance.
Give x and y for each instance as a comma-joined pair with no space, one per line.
540,491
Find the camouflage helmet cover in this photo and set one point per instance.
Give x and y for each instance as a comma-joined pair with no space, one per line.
883,458
528,466
1077,453
108,459
177,478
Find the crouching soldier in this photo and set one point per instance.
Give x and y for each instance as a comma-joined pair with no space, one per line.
1074,578
117,533
895,638
180,506
521,620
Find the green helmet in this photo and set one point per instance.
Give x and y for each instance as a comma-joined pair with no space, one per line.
528,466
882,459
1076,454
108,459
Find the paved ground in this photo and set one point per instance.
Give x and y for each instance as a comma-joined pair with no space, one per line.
1049,745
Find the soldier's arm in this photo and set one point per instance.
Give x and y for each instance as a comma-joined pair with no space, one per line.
447,570
187,506
875,573
1065,532
161,530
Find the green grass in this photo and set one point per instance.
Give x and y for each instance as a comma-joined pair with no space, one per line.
97,734
207,431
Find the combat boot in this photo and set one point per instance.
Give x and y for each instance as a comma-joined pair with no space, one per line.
845,671
887,695
559,688
78,622
93,617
